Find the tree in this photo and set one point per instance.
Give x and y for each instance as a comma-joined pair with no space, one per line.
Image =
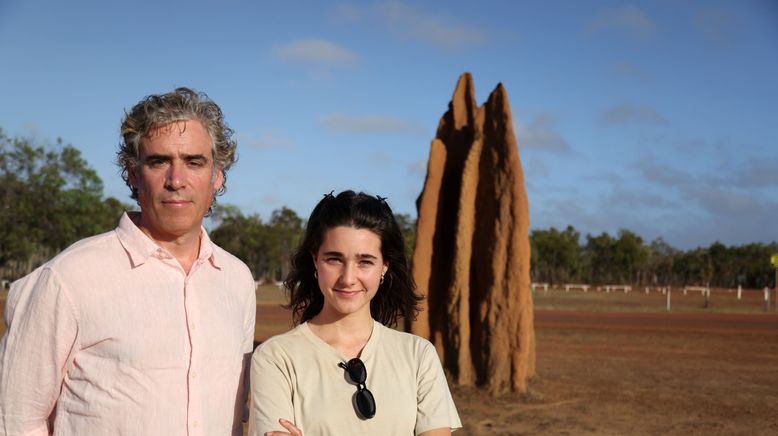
243,236
597,258
49,198
408,229
285,230
555,255
629,255
265,248
659,263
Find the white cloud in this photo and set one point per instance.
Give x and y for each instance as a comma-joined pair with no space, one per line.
535,168
662,173
266,140
347,12
628,113
368,124
719,27
418,168
630,70
540,133
436,30
315,52
627,19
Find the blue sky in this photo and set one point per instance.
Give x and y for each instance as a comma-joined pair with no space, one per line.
656,116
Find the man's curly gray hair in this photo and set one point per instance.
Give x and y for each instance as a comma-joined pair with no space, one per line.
183,104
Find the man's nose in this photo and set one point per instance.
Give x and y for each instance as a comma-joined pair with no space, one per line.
174,179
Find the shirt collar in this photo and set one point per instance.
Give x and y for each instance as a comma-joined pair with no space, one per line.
140,247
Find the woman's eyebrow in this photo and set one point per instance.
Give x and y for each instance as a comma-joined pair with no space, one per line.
332,253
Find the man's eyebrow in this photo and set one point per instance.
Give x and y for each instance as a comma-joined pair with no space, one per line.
156,157
194,157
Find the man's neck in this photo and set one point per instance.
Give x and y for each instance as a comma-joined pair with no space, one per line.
185,248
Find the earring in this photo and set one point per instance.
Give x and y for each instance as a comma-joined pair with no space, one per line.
316,274
381,282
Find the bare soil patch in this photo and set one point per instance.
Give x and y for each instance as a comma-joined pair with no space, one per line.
620,364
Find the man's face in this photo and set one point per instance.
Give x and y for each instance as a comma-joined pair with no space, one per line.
177,179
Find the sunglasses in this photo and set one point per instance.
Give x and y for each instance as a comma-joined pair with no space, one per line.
365,403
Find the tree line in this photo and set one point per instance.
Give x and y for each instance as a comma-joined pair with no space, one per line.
559,256
50,197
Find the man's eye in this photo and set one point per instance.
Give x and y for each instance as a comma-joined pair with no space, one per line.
366,262
332,260
155,163
196,163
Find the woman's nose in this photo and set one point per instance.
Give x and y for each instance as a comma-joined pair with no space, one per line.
348,274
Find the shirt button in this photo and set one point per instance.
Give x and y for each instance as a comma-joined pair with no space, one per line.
194,374
191,326
194,424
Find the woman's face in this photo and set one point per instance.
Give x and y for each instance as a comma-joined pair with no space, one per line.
349,265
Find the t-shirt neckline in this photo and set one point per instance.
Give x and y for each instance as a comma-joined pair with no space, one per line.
367,350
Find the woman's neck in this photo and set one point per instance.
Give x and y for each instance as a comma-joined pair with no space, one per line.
347,334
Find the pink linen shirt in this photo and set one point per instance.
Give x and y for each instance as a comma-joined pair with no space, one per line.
112,337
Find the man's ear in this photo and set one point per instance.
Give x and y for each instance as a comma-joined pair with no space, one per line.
218,180
132,177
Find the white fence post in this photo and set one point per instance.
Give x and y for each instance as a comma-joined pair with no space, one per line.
739,291
669,291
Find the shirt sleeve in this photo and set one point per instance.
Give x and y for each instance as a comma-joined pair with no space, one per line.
35,352
435,405
271,391
249,323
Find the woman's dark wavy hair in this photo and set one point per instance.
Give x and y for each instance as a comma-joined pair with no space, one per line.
396,296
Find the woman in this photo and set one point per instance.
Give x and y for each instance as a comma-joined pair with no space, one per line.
342,371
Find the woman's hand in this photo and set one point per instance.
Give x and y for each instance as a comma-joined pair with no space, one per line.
293,431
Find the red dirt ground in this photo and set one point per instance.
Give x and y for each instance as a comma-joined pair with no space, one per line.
628,368
632,373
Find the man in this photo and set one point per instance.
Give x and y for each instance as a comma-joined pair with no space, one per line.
148,329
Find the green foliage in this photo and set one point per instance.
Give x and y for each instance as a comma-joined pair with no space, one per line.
408,228
264,247
557,257
49,198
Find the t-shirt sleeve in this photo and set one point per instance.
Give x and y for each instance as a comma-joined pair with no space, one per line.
271,390
435,405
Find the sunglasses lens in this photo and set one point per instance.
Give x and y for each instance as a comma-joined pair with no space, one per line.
366,403
357,371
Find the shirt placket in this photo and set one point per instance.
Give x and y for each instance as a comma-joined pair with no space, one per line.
195,400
